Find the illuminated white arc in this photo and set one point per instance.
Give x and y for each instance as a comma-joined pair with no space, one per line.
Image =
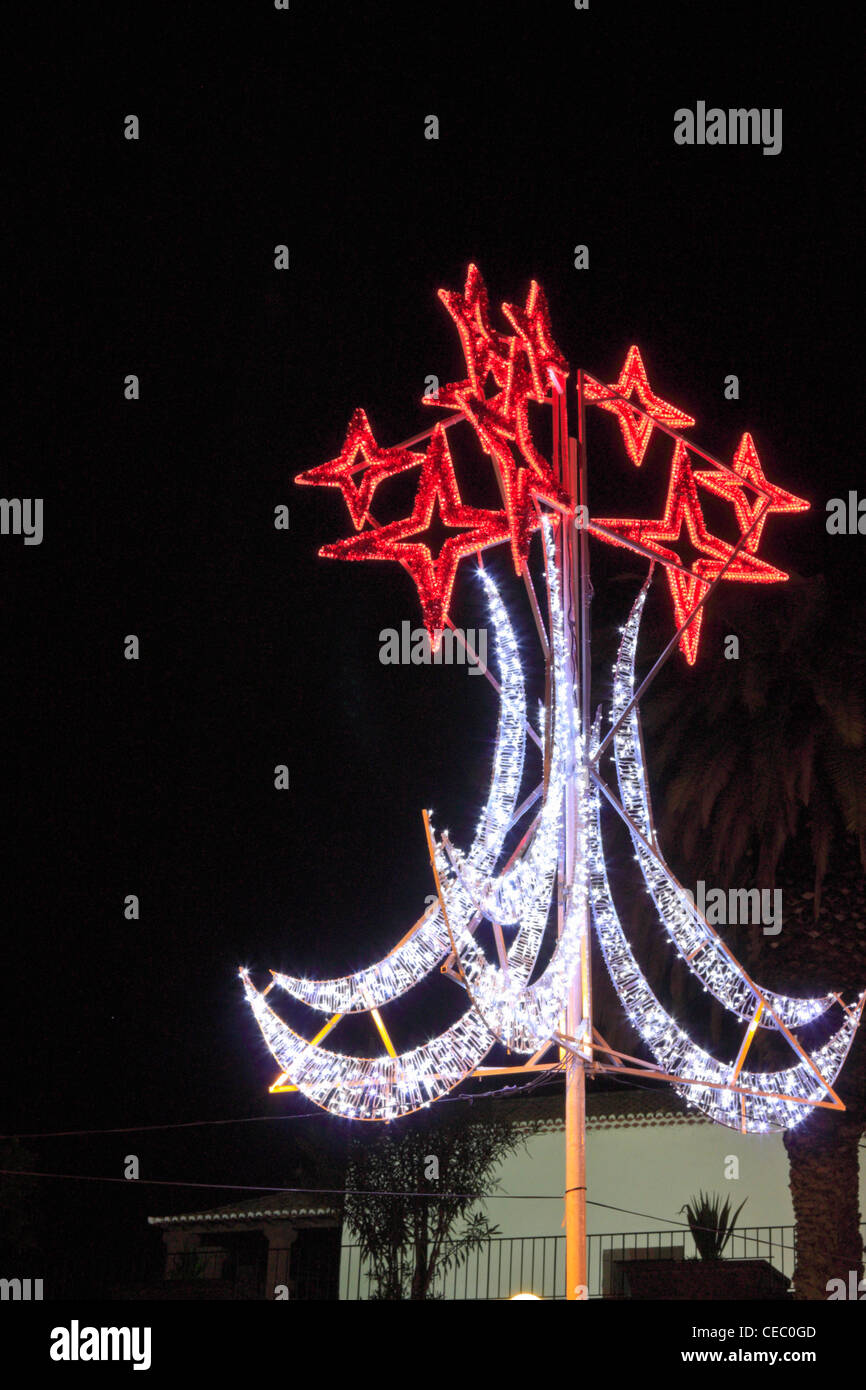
526,1017
675,1051
410,962
373,1088
386,1087
694,941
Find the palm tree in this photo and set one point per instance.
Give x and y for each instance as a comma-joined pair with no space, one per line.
759,770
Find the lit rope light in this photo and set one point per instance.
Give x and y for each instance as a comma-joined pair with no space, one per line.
373,1088
674,1050
698,946
526,1017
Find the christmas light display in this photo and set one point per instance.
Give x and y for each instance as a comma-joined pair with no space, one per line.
636,426
695,941
751,513
377,463
687,587
534,880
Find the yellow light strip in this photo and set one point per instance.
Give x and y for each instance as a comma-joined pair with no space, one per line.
323,1032
383,1032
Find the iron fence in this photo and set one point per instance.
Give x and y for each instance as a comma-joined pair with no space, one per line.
498,1269
507,1265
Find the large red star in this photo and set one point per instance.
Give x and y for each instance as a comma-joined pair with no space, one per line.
524,477
747,464
686,589
437,487
522,365
482,345
636,428
532,326
360,450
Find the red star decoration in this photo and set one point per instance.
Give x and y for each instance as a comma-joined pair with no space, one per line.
636,429
747,464
478,529
522,365
532,326
360,450
487,351
482,345
523,479
683,506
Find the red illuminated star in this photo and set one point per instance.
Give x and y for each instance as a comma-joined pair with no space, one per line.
682,506
481,344
360,451
636,428
437,488
504,433
535,338
747,464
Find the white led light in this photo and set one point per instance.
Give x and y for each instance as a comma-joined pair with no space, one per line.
675,1051
695,942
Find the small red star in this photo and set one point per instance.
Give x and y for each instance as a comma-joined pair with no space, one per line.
437,487
683,506
747,464
360,450
636,429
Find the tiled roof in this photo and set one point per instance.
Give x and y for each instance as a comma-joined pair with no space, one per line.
604,1109
274,1206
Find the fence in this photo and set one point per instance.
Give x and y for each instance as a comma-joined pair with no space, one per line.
501,1267
507,1265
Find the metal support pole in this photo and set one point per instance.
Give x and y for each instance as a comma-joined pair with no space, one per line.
572,468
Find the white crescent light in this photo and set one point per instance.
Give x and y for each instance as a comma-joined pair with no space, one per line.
675,1051
694,942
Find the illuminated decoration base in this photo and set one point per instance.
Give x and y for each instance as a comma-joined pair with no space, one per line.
535,871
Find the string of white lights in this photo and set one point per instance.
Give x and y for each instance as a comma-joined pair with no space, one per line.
386,1087
674,1050
683,922
526,1017
373,1088
398,972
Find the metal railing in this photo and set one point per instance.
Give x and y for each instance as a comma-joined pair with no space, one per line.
501,1267
506,1265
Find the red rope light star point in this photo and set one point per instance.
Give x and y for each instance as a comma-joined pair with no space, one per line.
747,464
636,428
360,451
434,578
682,507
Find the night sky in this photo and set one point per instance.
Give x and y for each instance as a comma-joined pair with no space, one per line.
156,257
